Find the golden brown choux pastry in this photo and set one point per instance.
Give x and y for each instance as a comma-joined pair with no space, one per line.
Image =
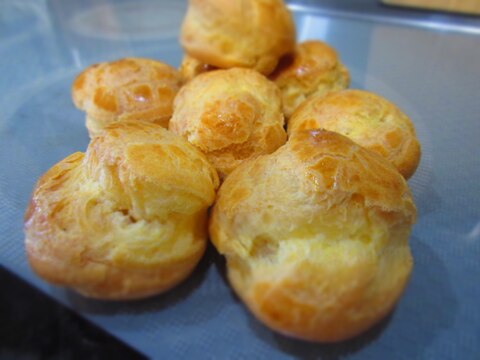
125,220
230,115
314,69
191,67
244,33
126,89
368,119
316,236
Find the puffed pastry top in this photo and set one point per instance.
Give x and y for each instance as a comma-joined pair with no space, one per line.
246,33
230,115
316,236
125,220
366,118
313,69
126,89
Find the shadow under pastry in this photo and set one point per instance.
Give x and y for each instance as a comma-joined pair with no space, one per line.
307,350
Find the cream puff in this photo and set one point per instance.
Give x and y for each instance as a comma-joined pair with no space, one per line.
230,115
191,67
125,220
313,69
316,236
126,89
249,33
368,119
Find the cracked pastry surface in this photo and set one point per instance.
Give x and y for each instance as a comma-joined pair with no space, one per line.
313,69
125,220
126,89
248,33
230,115
368,119
316,236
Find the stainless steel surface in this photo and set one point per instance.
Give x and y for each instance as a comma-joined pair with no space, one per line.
374,10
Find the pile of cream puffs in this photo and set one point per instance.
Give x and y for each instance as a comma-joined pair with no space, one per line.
255,143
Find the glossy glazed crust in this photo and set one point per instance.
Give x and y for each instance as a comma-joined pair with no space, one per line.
316,236
230,115
249,33
125,220
313,69
126,89
368,119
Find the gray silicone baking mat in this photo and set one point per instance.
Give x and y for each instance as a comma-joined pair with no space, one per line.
433,75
